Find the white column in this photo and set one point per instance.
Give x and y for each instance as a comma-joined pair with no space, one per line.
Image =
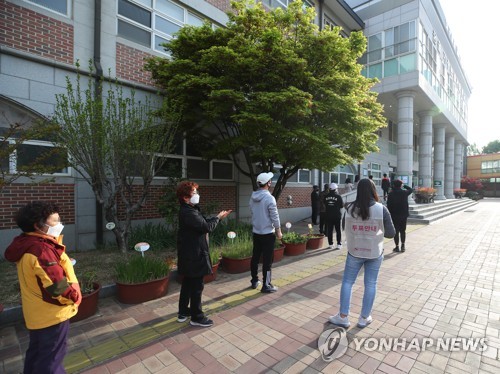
439,139
405,136
425,149
459,159
449,166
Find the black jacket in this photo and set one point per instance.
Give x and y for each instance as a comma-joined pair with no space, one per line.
333,205
193,259
397,201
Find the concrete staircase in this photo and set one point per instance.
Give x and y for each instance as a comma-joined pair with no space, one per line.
427,213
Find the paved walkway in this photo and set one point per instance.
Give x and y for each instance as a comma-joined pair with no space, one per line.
446,286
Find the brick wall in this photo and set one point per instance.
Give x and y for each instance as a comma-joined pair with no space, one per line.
220,4
32,32
301,197
17,195
130,64
223,196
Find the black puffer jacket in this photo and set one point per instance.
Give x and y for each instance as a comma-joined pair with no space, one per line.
193,259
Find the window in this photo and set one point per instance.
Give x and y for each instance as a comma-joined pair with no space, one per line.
57,6
34,155
153,23
304,176
222,170
488,167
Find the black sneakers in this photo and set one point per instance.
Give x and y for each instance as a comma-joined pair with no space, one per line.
205,322
269,289
181,318
255,284
396,249
402,247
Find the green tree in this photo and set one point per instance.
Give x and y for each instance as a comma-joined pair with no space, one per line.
473,150
116,144
276,90
492,147
18,159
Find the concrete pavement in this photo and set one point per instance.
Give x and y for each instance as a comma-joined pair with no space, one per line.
443,292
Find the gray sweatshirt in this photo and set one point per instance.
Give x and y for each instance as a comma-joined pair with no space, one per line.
265,218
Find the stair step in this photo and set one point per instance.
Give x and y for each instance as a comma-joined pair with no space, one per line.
439,210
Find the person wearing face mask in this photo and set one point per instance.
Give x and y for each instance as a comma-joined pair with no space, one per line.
193,257
50,291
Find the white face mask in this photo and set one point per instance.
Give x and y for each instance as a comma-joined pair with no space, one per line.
56,230
195,199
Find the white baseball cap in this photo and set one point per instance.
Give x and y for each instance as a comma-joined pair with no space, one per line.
263,178
333,186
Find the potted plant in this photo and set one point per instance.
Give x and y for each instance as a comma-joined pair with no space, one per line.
425,194
314,241
90,295
215,261
141,279
459,192
295,244
237,255
279,250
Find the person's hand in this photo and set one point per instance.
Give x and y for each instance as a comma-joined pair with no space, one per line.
223,214
76,286
279,235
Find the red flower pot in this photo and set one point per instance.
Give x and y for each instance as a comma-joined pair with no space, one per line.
141,292
88,306
315,242
207,278
295,249
278,254
236,265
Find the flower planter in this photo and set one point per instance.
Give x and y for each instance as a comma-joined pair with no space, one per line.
88,306
278,254
236,265
315,242
295,249
141,292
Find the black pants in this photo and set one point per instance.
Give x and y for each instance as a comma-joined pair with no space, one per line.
262,245
330,223
400,226
322,222
314,215
190,298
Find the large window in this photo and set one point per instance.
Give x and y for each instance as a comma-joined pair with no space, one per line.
34,155
153,22
57,6
391,52
490,167
185,161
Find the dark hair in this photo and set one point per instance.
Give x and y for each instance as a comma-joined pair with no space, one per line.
356,178
365,192
348,180
397,183
385,175
184,189
35,212
326,186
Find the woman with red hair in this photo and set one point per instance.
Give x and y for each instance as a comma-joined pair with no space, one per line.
193,257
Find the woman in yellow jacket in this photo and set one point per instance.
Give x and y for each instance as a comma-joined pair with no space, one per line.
49,289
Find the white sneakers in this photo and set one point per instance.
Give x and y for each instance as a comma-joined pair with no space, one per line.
344,321
339,246
340,321
363,322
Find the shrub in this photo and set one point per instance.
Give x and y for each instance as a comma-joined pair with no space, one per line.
157,235
215,256
140,269
219,236
294,238
86,281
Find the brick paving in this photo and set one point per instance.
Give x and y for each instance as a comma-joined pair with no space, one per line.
446,285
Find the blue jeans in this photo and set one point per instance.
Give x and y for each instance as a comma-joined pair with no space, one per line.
352,267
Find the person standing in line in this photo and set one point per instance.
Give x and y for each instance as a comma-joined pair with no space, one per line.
356,181
334,205
322,208
315,205
266,228
397,203
193,256
367,222
50,292
348,185
386,185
